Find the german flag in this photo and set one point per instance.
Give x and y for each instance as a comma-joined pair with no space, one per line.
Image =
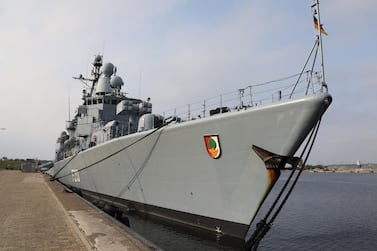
321,26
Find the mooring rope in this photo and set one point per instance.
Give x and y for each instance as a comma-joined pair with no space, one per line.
136,175
109,156
74,156
264,225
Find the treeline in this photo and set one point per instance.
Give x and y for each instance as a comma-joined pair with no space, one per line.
10,164
6,163
315,167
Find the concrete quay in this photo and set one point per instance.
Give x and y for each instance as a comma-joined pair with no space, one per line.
36,214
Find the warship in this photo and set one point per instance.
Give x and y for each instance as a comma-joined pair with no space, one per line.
209,168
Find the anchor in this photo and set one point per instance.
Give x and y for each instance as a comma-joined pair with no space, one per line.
274,163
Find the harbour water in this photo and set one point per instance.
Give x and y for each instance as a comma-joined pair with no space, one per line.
326,211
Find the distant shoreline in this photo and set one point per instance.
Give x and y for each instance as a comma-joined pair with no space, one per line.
346,168
359,170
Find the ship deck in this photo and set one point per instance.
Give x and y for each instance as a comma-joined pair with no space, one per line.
37,214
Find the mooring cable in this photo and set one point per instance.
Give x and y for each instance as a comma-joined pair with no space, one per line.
116,152
298,175
290,176
74,156
136,175
264,225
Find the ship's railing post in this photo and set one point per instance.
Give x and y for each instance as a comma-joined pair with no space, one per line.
309,80
221,103
278,94
251,96
241,92
204,108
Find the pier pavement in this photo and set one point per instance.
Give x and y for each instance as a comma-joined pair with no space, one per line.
36,214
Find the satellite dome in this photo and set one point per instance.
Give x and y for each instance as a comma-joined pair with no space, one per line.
116,82
107,69
103,85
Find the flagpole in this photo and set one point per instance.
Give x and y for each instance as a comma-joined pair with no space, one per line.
319,34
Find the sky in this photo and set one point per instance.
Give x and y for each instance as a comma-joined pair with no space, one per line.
177,52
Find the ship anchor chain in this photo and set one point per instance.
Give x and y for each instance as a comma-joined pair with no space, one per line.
278,162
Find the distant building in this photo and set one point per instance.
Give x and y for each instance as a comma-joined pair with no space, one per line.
358,164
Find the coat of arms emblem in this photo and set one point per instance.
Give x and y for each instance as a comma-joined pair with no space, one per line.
213,146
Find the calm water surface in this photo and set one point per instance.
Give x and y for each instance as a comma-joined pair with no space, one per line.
326,211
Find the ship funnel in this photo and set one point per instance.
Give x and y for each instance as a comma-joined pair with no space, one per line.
103,85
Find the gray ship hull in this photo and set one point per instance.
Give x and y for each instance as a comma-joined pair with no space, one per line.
168,171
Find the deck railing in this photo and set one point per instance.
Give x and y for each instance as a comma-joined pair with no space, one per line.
251,96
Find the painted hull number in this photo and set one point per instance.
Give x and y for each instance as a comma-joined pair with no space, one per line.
75,175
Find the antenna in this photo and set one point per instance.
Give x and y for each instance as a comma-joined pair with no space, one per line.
140,74
69,109
103,47
319,29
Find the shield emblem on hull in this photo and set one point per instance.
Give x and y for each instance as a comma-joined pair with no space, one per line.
212,143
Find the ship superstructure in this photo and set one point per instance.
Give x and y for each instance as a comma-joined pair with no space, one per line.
106,112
